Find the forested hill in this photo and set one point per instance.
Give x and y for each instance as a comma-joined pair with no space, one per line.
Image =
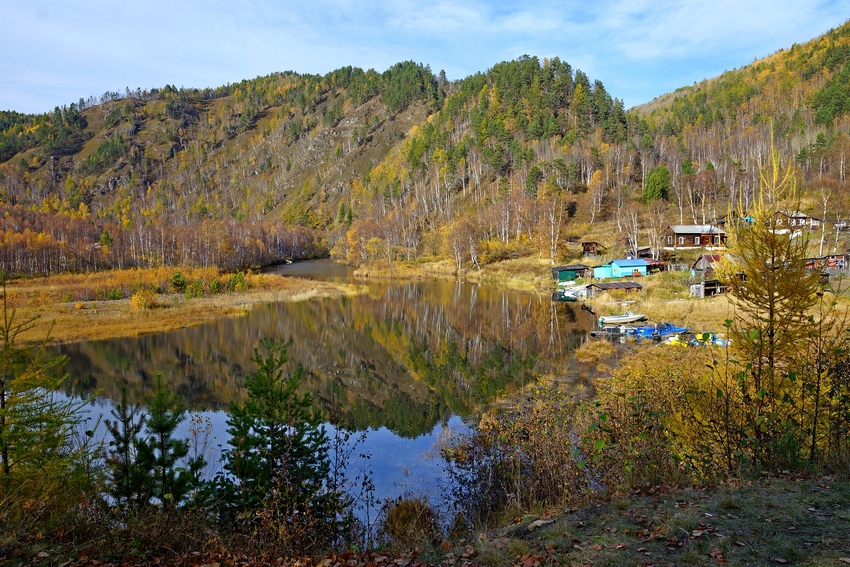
405,165
240,175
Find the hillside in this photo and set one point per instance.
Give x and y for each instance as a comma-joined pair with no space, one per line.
404,165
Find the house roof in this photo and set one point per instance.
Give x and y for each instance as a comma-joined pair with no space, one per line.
616,285
696,229
570,268
708,258
798,215
630,263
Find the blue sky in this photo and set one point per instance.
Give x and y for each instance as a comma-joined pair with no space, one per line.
54,53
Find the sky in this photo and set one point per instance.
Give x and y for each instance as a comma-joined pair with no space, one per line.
54,53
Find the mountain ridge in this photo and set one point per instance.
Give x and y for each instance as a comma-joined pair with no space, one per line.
405,164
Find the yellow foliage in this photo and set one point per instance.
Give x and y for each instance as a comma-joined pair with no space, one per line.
144,299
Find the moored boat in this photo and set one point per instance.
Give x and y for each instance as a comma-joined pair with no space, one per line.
625,318
659,330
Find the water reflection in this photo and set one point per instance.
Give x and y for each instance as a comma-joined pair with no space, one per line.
404,355
405,362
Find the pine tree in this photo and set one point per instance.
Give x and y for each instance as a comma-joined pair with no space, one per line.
279,463
148,468
36,425
160,453
121,457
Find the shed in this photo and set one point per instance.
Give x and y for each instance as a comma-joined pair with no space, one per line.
571,273
707,288
591,248
596,288
655,266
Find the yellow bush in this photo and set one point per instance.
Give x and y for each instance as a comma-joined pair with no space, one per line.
144,299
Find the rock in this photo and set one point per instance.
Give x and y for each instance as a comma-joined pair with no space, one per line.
538,524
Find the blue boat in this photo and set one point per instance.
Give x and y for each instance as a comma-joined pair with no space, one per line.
659,331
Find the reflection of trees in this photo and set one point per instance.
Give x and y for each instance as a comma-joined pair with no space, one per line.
400,356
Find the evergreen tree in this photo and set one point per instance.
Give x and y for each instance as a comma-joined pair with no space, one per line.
774,294
45,457
657,184
121,457
149,466
279,463
36,425
159,453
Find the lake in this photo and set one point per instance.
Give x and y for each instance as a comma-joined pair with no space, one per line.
405,364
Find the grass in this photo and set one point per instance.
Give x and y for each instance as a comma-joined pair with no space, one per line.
69,308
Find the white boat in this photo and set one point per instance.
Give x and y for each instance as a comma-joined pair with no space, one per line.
614,320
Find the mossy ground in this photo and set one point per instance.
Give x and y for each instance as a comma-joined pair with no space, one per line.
793,521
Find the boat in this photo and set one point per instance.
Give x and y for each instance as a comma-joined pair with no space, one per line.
564,296
570,293
659,331
618,331
625,318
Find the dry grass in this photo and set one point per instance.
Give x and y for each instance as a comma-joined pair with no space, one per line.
592,352
52,301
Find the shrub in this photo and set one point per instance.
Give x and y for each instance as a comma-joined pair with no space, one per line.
178,282
195,289
528,457
115,294
144,298
237,282
410,520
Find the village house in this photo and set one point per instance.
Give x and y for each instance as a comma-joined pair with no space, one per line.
703,268
796,220
624,268
694,236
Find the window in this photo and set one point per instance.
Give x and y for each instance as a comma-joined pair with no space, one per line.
681,240
696,240
717,239
669,240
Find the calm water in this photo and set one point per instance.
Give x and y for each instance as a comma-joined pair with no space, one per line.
405,364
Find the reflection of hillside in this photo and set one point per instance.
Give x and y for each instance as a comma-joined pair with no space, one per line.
404,356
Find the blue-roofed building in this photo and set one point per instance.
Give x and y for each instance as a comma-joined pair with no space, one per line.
624,268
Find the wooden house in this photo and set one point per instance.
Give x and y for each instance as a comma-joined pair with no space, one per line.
796,220
592,248
704,265
694,236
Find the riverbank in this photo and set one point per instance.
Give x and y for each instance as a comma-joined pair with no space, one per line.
665,296
77,307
